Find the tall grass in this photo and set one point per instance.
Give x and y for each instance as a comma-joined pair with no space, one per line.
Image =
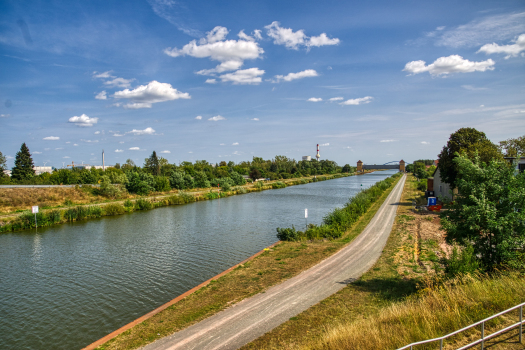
437,310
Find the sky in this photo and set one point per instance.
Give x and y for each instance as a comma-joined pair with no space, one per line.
376,81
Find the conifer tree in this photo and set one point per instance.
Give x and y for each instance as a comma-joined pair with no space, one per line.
23,169
2,165
152,164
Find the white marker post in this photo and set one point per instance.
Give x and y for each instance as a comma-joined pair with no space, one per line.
306,219
34,209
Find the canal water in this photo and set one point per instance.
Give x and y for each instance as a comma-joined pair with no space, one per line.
64,287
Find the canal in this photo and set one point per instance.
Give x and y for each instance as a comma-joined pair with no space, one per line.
66,286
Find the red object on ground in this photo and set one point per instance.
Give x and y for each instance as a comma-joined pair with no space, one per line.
435,208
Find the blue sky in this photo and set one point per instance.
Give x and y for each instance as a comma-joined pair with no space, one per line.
376,81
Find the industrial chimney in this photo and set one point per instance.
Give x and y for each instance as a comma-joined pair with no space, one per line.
317,155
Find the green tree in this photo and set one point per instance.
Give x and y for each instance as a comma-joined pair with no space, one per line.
469,141
201,180
140,183
255,174
152,164
177,180
419,170
513,147
3,165
23,169
488,212
129,165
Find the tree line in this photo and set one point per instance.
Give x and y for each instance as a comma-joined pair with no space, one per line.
158,175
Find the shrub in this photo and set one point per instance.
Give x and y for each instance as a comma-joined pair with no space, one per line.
143,204
462,261
186,197
54,216
278,184
240,190
177,180
422,185
140,183
107,189
95,211
238,179
70,214
288,234
128,204
258,185
113,209
82,212
162,184
201,180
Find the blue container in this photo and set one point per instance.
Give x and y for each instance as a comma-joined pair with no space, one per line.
432,201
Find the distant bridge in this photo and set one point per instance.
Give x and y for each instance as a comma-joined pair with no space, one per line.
399,165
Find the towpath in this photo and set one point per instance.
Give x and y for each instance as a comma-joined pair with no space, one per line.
252,317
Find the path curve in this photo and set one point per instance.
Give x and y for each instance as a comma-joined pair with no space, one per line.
252,317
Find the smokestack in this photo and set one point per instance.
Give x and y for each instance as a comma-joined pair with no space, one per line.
317,155
103,165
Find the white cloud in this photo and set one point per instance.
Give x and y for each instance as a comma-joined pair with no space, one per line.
134,149
336,99
357,101
222,144
37,153
147,131
388,141
167,152
448,65
217,48
324,144
51,138
425,142
472,88
256,119
199,117
119,150
235,144
483,30
145,95
190,152
83,120
244,76
9,157
217,118
211,81
440,28
5,115
257,34
117,135
101,95
293,76
315,99
75,144
96,133
292,40
322,40
119,82
89,141
104,75
511,50
244,36
121,141
58,148
66,157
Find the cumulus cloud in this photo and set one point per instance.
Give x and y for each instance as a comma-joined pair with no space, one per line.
336,99
244,76
257,34
134,149
37,153
293,76
119,82
217,118
199,117
5,115
119,150
235,144
51,138
66,157
292,40
83,120
211,81
231,53
425,142
511,50
388,141
145,95
117,135
324,144
101,95
89,141
244,36
147,131
256,119
357,101
167,152
448,65
315,99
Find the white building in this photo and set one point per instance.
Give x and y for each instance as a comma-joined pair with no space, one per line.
307,158
42,169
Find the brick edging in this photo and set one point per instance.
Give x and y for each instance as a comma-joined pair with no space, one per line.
141,319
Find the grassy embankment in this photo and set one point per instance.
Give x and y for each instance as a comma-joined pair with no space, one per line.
282,262
60,205
404,298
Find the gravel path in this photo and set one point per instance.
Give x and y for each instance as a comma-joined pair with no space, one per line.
252,317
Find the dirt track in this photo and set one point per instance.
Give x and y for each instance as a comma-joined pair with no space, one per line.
251,318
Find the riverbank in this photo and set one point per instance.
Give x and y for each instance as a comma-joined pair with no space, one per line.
270,268
92,207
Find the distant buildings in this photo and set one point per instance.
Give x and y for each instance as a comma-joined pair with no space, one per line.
42,169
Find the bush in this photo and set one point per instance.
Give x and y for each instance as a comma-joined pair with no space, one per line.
201,180
128,204
140,183
177,180
240,190
186,197
109,190
82,213
54,216
143,204
238,179
258,185
95,211
422,185
162,184
288,234
462,262
70,214
278,184
113,209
